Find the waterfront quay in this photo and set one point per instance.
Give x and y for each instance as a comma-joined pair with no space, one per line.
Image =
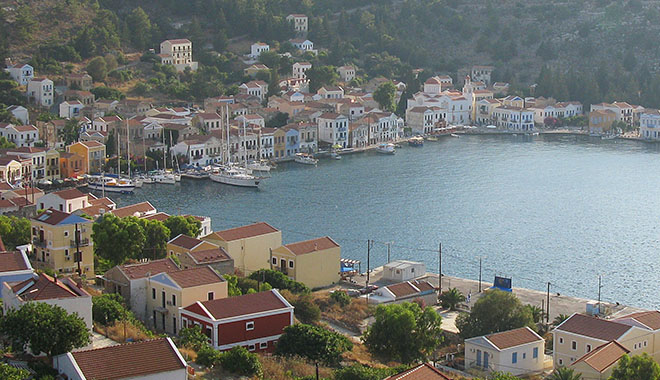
559,303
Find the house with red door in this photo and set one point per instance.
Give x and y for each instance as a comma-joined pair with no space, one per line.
254,321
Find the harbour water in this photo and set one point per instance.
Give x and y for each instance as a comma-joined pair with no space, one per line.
547,209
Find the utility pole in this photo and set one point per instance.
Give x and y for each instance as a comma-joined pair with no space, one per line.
78,254
599,287
440,267
368,262
479,274
547,312
389,247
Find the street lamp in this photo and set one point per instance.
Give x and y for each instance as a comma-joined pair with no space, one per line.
480,267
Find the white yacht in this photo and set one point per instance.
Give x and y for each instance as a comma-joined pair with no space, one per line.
259,166
236,176
386,148
110,184
165,178
305,158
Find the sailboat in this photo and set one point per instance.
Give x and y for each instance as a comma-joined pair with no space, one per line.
229,173
111,184
162,176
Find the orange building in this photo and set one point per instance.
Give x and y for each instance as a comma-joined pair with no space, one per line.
71,165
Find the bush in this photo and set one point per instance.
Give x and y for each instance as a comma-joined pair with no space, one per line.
306,310
108,308
192,337
208,356
340,297
361,372
314,343
240,361
279,280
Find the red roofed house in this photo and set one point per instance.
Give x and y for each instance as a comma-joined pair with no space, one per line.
64,200
423,371
249,246
405,292
156,359
599,363
139,210
131,281
255,321
193,253
63,292
14,266
171,291
519,351
314,262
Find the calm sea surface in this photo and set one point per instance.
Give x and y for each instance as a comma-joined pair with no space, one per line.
548,209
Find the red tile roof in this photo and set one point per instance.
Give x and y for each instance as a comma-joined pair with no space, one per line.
650,319
141,270
161,216
11,261
192,277
604,356
184,241
69,194
421,372
245,232
409,288
209,256
132,210
44,287
130,360
313,245
243,305
513,338
594,327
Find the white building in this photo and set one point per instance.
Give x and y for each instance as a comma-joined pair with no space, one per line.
20,113
383,126
331,92
422,120
303,45
333,129
267,143
346,73
156,359
64,200
200,150
358,135
178,53
208,121
299,22
406,291
308,137
40,91
513,118
455,107
256,88
21,135
403,270
70,109
257,48
22,73
300,68
649,124
519,352
624,111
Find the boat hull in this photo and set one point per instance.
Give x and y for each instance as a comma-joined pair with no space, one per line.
233,181
111,189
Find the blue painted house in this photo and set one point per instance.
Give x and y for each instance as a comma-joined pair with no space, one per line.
292,140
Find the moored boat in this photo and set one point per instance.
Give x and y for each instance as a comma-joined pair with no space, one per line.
258,166
386,148
305,158
235,176
110,184
431,138
416,141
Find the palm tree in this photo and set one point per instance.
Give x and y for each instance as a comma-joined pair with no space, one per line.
559,319
564,373
451,298
537,312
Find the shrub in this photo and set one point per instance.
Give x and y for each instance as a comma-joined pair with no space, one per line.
340,297
240,361
306,310
192,337
208,356
314,343
108,308
279,280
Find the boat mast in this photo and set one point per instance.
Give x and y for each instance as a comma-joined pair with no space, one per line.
164,154
128,149
244,143
144,148
118,153
227,126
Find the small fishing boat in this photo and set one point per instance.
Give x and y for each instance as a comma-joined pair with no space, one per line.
164,178
416,141
386,148
259,166
454,135
335,156
431,138
305,158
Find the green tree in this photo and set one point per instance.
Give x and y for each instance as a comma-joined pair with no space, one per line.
8,372
306,310
638,367
186,225
117,239
4,143
240,361
502,376
495,311
563,373
108,308
320,76
360,372
279,280
451,298
97,68
140,28
14,231
404,332
314,343
193,338
536,312
208,356
70,133
560,319
44,328
156,237
385,95
103,92
232,285
9,92
340,297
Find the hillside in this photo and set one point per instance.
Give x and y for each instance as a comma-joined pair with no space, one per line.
573,39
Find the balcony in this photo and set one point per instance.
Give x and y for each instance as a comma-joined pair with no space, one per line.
39,243
83,243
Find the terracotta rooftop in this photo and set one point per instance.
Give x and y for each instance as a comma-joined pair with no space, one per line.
594,327
69,194
209,256
131,360
192,277
313,245
161,216
54,217
137,209
44,287
408,288
11,261
185,241
245,232
604,356
421,372
513,338
648,319
245,304
141,270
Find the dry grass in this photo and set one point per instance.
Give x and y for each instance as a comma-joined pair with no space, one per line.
188,354
120,332
351,316
282,368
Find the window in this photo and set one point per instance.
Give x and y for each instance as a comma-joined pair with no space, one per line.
251,347
209,296
263,345
514,357
153,293
524,355
573,345
535,353
588,348
174,325
66,233
561,340
644,343
174,300
290,263
561,362
249,326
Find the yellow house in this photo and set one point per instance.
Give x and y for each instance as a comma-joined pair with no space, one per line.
54,240
193,253
52,164
599,363
168,292
600,121
279,144
314,262
249,246
92,152
10,169
581,334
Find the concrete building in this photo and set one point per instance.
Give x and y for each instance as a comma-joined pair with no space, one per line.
315,263
407,291
178,53
64,200
300,68
257,48
41,92
299,22
346,73
83,81
21,73
649,125
600,121
333,129
92,153
403,270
